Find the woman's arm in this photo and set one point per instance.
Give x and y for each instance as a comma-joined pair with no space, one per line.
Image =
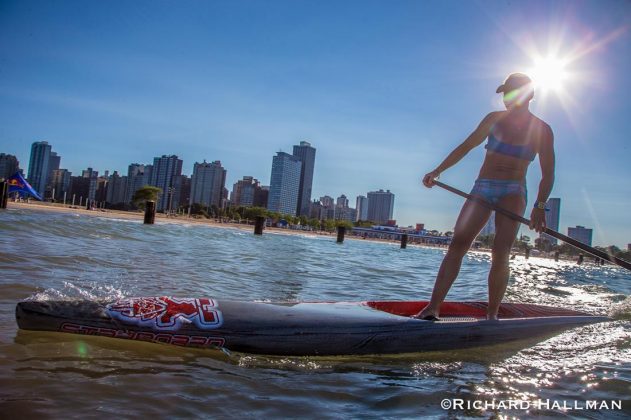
474,140
546,160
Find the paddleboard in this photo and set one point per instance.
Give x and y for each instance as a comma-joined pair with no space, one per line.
298,329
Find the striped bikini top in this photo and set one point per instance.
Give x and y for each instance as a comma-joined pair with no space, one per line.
519,151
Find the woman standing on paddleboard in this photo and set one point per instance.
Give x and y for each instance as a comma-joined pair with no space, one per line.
515,137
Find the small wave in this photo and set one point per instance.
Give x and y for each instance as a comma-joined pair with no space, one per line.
71,291
622,311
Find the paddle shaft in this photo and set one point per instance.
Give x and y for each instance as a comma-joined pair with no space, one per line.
553,233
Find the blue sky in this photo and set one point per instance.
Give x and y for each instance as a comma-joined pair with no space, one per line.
383,90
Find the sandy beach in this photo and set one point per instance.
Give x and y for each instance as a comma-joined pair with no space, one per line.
162,218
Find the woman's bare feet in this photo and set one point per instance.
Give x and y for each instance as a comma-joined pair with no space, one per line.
427,314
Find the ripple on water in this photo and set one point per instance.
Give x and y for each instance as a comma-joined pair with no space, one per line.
60,256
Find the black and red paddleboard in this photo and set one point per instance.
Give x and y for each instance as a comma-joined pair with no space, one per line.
299,329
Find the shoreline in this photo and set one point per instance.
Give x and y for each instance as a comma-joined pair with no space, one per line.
162,218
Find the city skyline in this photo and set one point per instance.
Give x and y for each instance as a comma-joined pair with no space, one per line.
552,215
386,91
206,185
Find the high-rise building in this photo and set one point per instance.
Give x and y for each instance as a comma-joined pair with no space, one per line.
60,183
306,154
102,185
361,205
207,184
284,184
260,200
166,175
489,227
247,192
343,211
39,162
316,210
553,217
79,190
116,189
380,206
9,165
581,234
185,190
327,201
137,177
342,201
327,208
92,176
53,164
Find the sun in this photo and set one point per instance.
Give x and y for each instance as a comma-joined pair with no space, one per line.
549,74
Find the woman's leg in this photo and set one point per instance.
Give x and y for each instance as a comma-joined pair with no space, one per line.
472,218
505,233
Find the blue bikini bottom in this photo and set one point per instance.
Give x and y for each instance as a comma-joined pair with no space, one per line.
493,190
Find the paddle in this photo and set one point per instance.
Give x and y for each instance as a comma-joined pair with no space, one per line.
553,233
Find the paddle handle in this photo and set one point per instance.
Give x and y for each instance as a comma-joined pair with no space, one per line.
553,233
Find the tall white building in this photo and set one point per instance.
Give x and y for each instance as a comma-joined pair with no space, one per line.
380,206
284,184
207,183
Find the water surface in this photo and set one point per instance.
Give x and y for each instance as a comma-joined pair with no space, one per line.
49,255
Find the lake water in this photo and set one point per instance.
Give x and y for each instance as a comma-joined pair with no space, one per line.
55,255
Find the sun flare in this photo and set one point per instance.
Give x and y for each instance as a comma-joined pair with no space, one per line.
549,74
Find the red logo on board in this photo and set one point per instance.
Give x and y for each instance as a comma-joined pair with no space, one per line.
167,313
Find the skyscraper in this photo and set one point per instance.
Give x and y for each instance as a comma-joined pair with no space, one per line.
247,192
92,177
39,162
380,206
60,183
581,234
79,190
553,217
327,210
489,227
116,189
8,165
361,205
102,185
284,184
185,190
207,184
306,154
342,211
137,177
166,175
